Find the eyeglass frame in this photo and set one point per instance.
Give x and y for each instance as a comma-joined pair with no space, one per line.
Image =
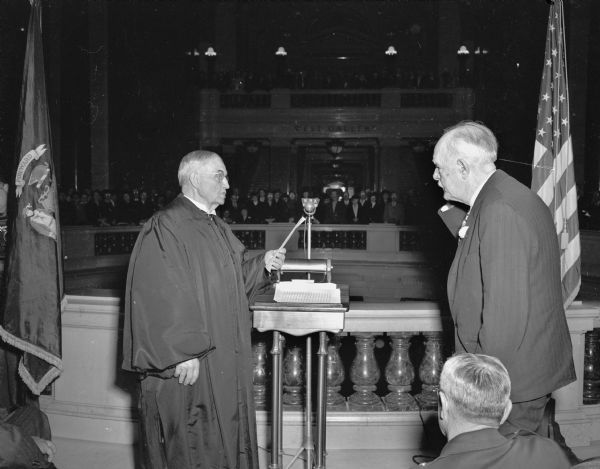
220,176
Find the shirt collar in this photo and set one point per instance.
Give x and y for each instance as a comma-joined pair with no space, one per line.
478,190
201,206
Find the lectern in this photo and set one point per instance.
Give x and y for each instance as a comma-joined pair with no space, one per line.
300,319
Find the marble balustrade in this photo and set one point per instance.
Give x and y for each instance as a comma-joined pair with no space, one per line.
383,370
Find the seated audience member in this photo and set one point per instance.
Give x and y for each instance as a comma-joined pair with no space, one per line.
346,201
393,211
145,207
286,215
80,203
244,216
375,209
262,196
96,213
226,216
110,207
255,209
356,214
270,208
474,400
281,207
294,207
127,211
233,205
385,197
332,212
25,439
66,208
363,199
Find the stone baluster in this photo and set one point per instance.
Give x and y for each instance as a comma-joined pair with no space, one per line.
260,374
591,368
430,370
399,374
335,375
365,374
293,377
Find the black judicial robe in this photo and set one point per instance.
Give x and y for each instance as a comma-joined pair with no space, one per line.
187,293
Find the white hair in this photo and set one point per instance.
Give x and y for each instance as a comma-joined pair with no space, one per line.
472,141
478,386
190,162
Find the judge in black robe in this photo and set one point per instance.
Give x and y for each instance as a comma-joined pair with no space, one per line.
187,328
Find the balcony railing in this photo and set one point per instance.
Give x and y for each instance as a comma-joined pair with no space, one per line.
301,99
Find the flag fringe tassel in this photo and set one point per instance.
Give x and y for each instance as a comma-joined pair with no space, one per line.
55,362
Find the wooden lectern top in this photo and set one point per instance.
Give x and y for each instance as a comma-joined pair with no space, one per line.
300,318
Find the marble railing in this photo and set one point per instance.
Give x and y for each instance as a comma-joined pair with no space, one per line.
90,241
382,367
414,340
376,260
390,381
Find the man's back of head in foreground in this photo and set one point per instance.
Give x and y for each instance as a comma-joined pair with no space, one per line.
474,394
474,400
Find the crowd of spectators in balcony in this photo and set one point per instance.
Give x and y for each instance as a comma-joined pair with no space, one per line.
309,80
133,207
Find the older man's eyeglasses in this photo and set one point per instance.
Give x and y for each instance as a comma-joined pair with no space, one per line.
219,176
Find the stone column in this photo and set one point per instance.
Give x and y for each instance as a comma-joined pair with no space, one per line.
365,374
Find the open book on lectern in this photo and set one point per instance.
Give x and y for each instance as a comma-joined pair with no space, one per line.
306,291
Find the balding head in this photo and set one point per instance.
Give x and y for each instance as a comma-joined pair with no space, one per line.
470,140
203,178
464,158
192,162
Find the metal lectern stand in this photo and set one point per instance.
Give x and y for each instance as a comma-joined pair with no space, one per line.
300,319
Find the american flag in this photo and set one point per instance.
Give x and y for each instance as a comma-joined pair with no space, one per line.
553,177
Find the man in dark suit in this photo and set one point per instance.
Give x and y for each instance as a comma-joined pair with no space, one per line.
504,286
334,212
357,214
473,402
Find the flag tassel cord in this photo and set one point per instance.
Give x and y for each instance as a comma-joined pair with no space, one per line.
27,347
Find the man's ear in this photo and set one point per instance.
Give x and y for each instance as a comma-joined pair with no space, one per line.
194,179
506,413
442,405
463,167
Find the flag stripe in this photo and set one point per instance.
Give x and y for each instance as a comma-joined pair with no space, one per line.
571,254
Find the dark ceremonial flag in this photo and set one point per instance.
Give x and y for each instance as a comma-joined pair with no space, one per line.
553,174
32,307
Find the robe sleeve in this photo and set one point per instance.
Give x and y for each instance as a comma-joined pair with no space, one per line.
256,278
164,323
